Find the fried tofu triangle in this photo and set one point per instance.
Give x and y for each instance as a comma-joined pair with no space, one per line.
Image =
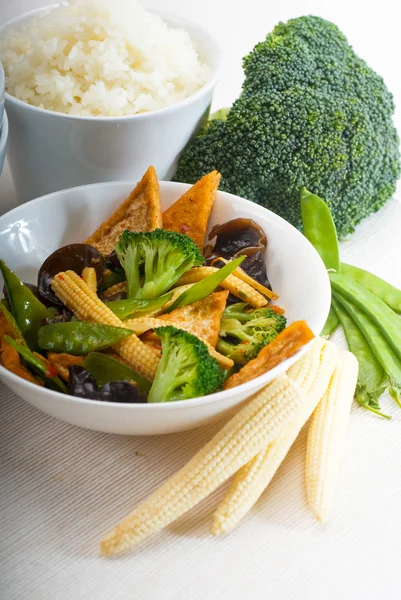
190,213
289,341
202,318
141,211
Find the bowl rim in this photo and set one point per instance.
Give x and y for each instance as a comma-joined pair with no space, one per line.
3,133
171,18
249,387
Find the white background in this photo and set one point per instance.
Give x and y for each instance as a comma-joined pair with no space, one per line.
63,487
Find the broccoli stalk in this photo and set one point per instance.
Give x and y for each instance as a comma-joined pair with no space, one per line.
186,369
248,332
154,261
311,113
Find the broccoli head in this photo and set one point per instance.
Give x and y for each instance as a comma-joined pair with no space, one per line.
186,369
154,261
311,113
246,333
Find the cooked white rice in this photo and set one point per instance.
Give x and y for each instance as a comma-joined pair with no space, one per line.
100,57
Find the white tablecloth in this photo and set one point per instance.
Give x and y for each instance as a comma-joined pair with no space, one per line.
63,487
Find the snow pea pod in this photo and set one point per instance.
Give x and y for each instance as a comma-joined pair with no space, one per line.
387,321
372,381
331,324
112,278
79,337
11,322
39,364
206,286
380,288
319,229
128,308
378,344
26,309
106,369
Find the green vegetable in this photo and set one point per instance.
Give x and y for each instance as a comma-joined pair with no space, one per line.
26,309
319,229
248,332
154,261
372,380
37,363
105,369
113,278
186,369
12,322
79,337
238,310
376,310
206,286
125,309
377,341
383,290
311,113
331,324
219,115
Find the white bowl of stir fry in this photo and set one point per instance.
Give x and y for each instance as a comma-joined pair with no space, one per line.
152,307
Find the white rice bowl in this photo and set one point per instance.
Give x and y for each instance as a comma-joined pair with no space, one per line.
100,57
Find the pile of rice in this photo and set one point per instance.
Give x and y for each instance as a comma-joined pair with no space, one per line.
100,57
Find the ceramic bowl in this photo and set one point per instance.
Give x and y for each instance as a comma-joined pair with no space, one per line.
50,151
3,140
30,232
2,92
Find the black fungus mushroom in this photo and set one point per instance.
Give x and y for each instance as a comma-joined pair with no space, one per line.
74,257
83,385
240,237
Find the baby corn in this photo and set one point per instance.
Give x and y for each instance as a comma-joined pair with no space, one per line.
86,305
312,374
89,276
326,436
246,434
115,289
232,283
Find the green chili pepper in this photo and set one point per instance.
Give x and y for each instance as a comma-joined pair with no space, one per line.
372,380
79,337
27,310
125,309
319,228
206,286
37,363
380,288
105,369
331,324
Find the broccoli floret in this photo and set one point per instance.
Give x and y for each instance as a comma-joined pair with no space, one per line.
154,261
311,113
186,369
248,332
